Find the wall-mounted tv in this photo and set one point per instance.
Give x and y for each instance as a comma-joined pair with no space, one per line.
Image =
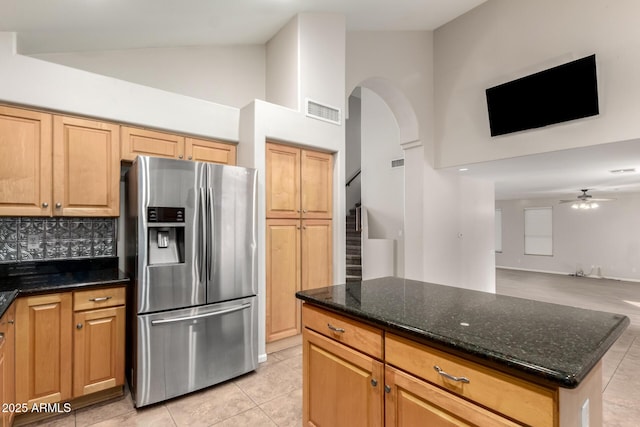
559,94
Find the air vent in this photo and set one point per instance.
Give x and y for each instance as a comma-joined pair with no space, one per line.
323,112
397,163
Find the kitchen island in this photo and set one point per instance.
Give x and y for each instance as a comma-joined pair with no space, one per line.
391,351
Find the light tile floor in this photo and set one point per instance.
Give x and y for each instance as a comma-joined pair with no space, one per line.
272,396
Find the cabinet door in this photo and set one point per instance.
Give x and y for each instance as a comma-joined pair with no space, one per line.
413,402
98,350
150,143
317,184
25,162
201,150
86,167
341,386
43,348
282,181
283,278
7,362
317,250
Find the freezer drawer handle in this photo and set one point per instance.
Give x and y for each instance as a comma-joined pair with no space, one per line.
200,316
99,299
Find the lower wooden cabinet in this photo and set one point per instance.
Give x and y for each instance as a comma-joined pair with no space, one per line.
98,350
299,257
358,374
43,348
7,365
69,344
411,402
341,386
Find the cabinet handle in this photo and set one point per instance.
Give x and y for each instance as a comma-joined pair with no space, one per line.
11,321
451,377
45,204
58,205
99,299
79,326
334,329
387,389
374,382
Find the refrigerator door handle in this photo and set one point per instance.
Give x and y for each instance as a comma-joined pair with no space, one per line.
200,316
201,258
211,239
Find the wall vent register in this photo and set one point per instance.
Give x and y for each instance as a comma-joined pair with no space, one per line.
322,112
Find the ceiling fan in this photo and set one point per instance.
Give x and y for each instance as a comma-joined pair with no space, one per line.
585,201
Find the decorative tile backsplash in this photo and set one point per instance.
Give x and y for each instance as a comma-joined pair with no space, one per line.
30,239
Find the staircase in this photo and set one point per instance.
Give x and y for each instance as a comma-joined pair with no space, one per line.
354,249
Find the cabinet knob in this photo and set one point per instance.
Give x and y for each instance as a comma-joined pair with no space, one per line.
374,382
180,156
11,321
79,326
387,389
58,205
45,204
304,211
190,157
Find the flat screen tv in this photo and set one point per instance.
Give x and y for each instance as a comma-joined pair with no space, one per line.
559,94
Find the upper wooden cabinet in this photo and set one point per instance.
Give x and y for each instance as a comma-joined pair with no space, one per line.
86,167
69,169
316,185
299,183
25,162
145,142
202,150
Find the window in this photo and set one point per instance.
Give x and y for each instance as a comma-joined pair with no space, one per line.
498,230
538,235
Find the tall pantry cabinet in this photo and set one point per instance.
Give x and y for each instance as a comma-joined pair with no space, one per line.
299,235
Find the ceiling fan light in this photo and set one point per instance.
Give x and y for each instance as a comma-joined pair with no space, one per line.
584,206
594,205
575,206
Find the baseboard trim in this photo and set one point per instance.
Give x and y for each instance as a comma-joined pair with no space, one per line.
562,273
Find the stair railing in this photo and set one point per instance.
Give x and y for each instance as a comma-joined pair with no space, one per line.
354,176
358,218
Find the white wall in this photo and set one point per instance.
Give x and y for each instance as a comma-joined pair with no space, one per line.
283,66
322,59
438,207
229,75
502,40
605,237
33,82
382,185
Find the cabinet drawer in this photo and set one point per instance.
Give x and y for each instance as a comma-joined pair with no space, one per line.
98,298
352,333
515,398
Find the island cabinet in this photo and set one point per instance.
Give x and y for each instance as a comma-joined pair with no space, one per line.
358,374
343,371
148,142
7,366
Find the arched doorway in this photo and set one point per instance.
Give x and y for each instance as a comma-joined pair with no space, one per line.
382,125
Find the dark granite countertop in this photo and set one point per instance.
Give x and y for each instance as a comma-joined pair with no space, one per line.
552,343
39,277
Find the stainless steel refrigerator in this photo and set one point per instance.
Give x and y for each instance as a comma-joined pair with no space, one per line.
191,252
